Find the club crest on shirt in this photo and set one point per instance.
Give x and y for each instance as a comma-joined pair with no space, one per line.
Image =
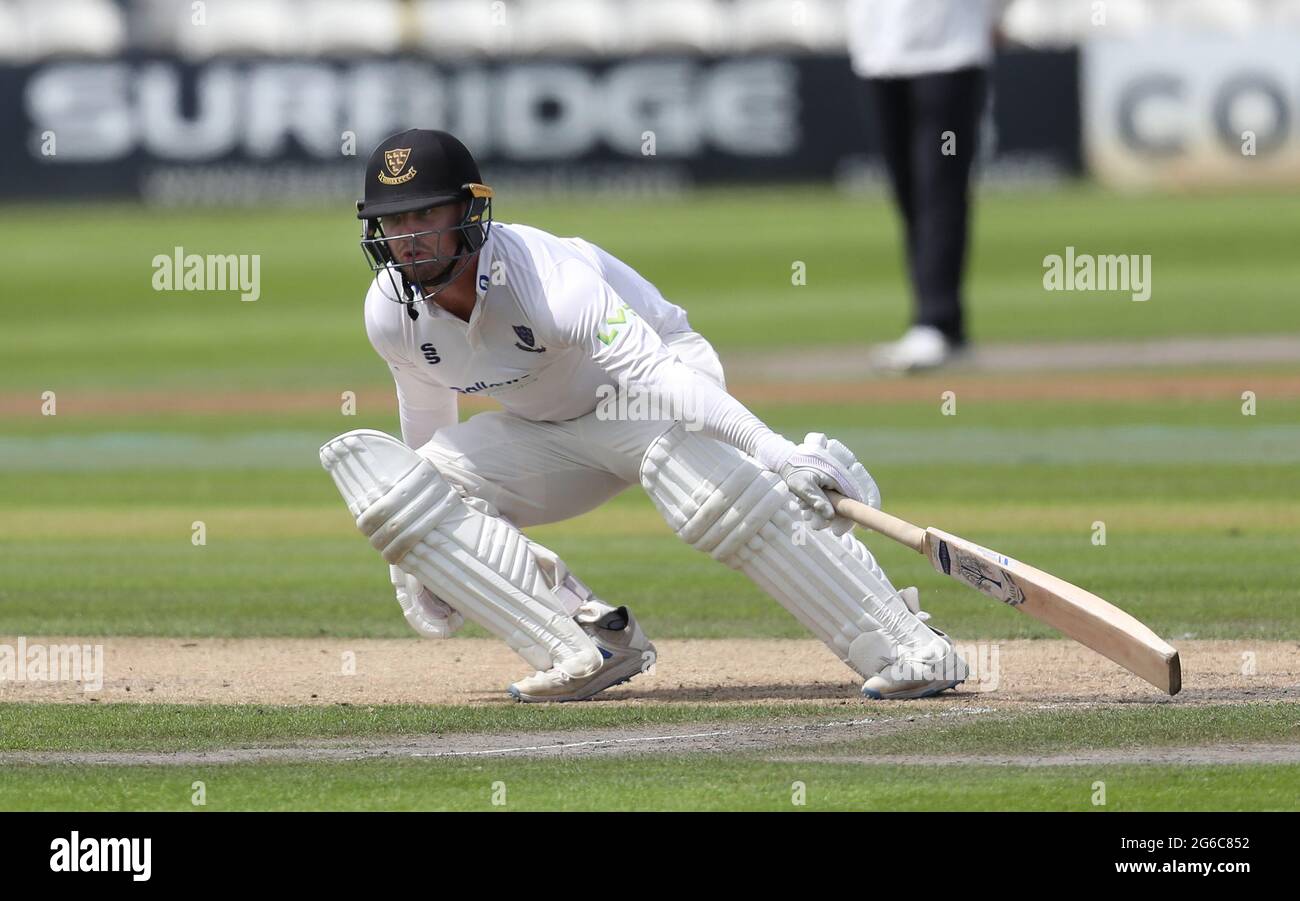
526,336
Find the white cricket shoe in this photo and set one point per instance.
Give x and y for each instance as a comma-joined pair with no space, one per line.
922,347
622,644
920,673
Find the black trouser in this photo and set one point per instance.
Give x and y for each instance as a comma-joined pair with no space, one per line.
930,187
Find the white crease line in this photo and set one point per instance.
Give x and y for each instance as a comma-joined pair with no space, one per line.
798,727
299,753
576,744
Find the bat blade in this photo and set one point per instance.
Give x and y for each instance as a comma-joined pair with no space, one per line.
1071,610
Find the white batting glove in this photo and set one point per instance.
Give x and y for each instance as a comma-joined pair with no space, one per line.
426,613
819,464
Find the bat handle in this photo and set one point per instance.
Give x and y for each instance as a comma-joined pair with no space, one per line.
892,527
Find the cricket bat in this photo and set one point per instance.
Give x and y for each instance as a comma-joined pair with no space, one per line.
1074,612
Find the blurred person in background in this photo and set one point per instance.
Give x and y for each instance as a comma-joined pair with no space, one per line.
924,65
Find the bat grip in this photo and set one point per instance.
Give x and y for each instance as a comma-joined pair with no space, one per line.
891,527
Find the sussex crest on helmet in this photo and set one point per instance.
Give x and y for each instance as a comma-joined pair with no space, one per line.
396,159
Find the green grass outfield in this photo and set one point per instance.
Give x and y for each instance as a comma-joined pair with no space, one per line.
79,310
1201,504
1201,533
702,781
192,727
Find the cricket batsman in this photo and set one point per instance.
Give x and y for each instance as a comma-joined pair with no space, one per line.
551,328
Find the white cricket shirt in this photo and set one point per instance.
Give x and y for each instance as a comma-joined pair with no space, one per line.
901,38
555,319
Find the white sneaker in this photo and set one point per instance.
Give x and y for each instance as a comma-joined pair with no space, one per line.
921,675
923,347
918,674
624,647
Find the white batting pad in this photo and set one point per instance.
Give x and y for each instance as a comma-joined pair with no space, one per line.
481,565
722,502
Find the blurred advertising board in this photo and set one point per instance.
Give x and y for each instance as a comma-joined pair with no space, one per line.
1193,110
273,131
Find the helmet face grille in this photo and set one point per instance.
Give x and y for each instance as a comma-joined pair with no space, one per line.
469,234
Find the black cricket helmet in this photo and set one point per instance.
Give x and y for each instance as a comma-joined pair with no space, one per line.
416,170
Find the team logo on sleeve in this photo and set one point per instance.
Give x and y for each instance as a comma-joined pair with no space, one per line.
395,160
614,322
526,336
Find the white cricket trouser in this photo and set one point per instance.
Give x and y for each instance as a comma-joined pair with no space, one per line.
540,472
